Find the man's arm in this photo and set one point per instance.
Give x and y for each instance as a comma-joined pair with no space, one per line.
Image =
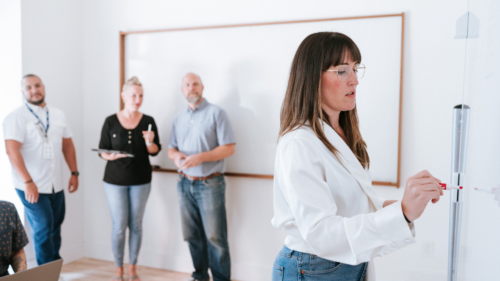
216,154
70,155
13,149
18,261
176,156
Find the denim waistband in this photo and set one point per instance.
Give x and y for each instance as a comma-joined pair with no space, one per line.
289,253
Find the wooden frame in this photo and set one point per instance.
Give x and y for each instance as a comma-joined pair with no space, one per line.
123,34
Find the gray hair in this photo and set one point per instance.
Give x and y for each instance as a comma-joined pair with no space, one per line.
130,82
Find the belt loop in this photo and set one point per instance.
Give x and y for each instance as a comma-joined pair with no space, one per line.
289,252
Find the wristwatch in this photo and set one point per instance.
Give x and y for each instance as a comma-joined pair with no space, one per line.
75,173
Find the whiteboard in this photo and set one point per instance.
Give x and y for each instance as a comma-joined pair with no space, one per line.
479,243
245,71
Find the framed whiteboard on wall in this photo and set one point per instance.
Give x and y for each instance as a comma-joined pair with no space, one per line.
245,70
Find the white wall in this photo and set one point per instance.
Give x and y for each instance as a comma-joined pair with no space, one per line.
52,49
10,73
73,46
433,65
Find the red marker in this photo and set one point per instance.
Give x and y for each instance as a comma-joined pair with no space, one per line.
448,187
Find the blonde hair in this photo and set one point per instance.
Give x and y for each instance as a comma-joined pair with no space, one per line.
130,82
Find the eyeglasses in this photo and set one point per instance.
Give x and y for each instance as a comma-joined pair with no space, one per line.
345,71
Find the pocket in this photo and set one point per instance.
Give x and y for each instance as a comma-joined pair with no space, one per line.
320,266
56,131
277,273
34,132
214,182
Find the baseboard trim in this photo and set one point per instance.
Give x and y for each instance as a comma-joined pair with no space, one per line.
72,253
240,271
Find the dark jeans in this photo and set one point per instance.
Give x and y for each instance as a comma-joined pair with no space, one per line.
293,265
203,214
45,218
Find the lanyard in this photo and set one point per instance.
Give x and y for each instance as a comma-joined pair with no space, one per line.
47,128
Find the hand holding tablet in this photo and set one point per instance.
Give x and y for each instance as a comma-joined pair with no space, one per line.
118,153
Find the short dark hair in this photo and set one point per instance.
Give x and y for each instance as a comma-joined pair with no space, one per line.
28,76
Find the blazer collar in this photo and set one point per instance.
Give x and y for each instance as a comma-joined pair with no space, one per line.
351,164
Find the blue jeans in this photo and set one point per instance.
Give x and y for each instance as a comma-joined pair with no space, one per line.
297,266
127,204
203,215
45,218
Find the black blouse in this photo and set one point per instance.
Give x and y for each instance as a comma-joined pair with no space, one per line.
130,170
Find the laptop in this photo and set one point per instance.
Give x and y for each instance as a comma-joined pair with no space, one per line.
47,272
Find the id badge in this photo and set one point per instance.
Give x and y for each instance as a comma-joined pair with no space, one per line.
48,150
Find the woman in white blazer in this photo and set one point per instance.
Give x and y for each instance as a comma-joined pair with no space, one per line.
335,224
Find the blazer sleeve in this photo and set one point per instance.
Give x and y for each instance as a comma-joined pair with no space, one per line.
354,240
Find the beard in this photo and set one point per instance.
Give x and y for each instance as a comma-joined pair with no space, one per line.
38,102
193,97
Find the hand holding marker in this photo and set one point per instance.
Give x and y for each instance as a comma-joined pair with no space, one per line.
448,187
147,140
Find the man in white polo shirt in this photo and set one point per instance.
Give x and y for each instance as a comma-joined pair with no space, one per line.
36,139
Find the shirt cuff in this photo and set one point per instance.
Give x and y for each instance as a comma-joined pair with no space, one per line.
378,202
395,231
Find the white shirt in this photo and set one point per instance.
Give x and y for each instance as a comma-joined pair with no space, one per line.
22,126
329,208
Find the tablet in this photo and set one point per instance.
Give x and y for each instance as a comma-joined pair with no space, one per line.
113,151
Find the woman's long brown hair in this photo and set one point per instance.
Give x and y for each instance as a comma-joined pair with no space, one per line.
302,103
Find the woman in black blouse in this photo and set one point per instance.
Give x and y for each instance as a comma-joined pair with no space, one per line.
127,180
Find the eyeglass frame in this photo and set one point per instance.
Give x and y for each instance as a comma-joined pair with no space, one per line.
336,70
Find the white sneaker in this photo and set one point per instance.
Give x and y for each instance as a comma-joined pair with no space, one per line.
194,279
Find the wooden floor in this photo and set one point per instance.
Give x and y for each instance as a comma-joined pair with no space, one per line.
98,270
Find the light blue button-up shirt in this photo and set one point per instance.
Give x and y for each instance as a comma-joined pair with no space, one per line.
201,130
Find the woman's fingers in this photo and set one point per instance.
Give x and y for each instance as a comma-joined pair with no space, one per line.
423,181
148,134
425,174
433,196
422,174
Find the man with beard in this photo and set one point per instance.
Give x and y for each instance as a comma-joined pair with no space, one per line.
36,139
201,139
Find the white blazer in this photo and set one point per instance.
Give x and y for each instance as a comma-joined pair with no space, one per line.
329,207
